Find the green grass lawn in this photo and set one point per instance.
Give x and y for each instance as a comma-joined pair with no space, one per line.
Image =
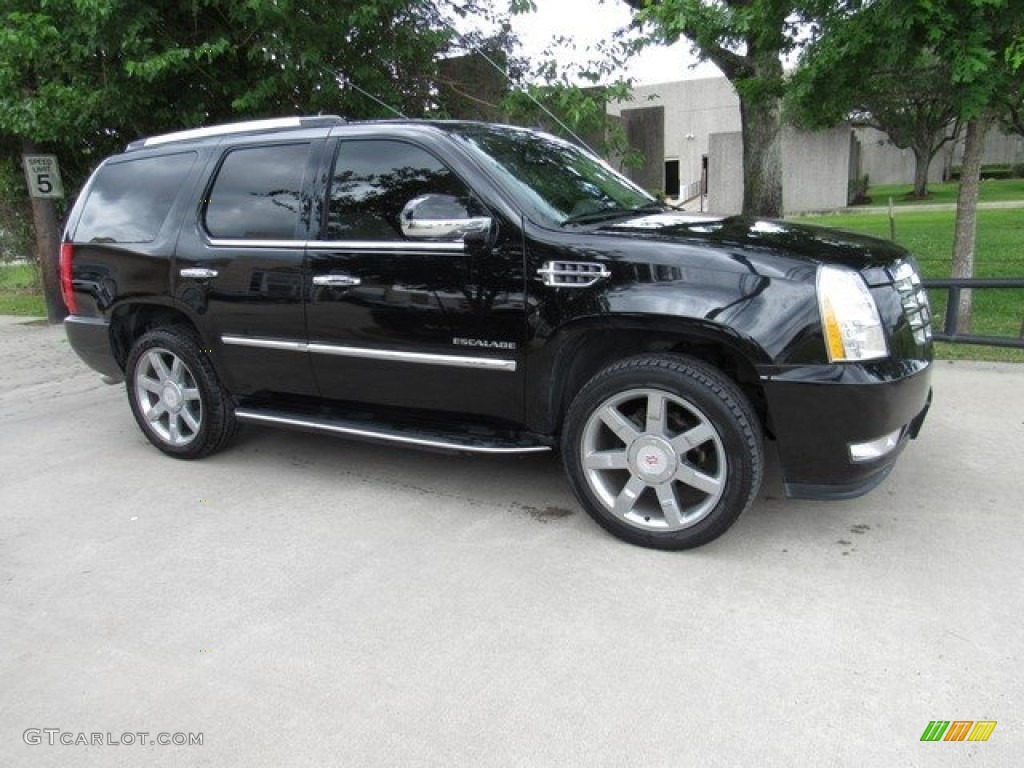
1000,253
992,190
20,292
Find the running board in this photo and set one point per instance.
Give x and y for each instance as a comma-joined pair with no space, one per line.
434,439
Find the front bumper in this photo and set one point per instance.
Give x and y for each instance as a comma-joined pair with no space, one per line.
823,415
90,338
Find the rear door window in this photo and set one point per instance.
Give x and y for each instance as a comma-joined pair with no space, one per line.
129,201
257,194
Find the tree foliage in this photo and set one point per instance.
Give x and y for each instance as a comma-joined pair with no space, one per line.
862,68
83,77
960,58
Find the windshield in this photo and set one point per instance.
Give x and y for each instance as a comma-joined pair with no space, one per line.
558,181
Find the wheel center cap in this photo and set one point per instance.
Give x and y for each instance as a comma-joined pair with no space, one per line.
653,459
171,396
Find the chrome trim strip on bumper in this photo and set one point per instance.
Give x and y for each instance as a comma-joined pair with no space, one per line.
245,414
456,361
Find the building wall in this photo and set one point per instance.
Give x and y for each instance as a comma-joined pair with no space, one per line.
885,163
816,170
694,110
645,132
1000,148
725,172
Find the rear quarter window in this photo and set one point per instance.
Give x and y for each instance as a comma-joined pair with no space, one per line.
128,201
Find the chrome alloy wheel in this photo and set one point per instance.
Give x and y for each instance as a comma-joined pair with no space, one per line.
653,459
168,397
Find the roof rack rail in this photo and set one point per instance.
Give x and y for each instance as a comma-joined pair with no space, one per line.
248,126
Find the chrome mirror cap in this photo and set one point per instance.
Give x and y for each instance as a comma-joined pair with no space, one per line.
440,217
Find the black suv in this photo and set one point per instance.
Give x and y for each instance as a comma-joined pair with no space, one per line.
483,288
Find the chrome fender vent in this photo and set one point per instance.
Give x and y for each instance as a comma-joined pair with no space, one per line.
571,274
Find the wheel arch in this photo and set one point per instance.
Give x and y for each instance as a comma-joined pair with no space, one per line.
586,348
129,321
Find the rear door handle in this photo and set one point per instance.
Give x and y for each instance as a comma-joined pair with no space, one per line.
336,281
198,273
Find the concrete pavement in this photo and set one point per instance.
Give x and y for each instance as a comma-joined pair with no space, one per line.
301,600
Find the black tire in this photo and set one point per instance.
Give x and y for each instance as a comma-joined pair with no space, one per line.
175,395
663,451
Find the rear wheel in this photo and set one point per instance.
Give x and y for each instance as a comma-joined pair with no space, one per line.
175,395
663,451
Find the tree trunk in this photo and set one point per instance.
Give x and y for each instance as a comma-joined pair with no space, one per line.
922,161
762,156
967,214
44,219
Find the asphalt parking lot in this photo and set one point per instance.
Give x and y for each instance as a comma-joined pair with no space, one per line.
301,600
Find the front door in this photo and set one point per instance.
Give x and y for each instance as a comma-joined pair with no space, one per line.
404,321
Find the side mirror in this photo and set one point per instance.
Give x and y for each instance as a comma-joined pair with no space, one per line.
440,217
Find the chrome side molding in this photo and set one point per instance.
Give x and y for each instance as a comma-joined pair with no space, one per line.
396,356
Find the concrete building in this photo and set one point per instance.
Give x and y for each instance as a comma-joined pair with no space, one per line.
689,134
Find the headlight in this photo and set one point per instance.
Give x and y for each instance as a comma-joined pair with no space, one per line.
849,317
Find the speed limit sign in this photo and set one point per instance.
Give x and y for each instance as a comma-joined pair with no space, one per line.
43,176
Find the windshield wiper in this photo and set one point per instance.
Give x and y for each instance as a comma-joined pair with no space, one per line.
612,212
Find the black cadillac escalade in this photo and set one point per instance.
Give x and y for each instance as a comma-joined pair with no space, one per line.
482,288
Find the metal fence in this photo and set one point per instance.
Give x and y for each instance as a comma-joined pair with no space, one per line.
954,286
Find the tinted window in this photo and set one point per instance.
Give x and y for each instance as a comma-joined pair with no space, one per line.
128,202
373,181
258,192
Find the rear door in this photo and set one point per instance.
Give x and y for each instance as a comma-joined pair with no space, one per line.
402,321
240,269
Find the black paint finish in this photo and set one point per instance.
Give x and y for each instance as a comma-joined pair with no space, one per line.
739,293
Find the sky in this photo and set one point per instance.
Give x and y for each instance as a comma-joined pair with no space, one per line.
589,21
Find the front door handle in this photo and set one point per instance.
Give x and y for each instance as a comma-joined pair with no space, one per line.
198,273
336,281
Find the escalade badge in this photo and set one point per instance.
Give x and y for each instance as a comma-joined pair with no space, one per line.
483,343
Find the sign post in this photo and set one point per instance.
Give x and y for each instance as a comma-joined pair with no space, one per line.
44,186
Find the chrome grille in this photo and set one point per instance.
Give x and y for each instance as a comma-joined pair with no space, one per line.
914,299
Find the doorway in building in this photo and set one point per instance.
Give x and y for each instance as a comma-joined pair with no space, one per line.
672,178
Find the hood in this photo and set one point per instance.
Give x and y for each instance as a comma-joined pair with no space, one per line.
761,237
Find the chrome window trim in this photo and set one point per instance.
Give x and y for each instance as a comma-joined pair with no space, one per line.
361,246
387,245
423,358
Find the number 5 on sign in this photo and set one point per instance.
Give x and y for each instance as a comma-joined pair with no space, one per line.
43,176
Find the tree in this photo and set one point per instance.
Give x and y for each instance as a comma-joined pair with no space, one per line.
980,39
747,40
861,68
82,78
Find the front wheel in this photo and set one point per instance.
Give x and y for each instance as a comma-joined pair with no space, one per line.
663,451
175,395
